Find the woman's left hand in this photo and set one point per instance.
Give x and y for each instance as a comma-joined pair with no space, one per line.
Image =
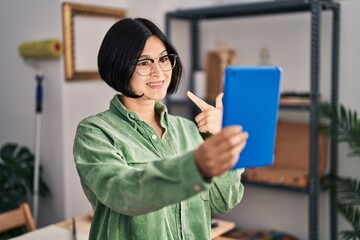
210,118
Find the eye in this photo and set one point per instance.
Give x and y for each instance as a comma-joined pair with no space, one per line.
144,63
164,59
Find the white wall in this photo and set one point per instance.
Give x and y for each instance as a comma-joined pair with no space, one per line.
81,99
19,22
66,103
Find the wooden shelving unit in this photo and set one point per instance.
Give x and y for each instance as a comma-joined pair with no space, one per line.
315,8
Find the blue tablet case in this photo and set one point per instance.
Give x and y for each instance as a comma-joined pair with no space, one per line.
251,99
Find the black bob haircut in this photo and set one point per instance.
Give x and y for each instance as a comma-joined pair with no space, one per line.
121,49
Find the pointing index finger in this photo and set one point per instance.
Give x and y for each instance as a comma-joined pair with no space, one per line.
198,101
218,101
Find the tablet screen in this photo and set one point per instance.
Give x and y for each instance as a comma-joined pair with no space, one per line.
251,99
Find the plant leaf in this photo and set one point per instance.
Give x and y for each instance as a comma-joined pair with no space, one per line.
349,235
6,152
352,215
16,175
347,126
348,191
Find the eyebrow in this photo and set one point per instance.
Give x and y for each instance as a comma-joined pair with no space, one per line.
147,56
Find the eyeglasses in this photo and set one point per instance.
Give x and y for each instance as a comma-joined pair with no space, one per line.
166,63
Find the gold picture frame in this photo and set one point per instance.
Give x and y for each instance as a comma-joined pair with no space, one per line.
81,23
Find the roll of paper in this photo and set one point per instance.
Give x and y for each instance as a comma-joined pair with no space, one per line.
47,48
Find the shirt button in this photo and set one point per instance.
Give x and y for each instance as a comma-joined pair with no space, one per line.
153,137
197,187
131,116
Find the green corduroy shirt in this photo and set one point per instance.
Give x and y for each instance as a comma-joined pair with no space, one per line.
142,186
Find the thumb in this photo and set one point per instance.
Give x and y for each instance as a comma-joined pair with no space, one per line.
218,101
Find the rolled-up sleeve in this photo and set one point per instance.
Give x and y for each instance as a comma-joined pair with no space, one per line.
106,177
226,191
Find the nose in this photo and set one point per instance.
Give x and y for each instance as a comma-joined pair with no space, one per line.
156,69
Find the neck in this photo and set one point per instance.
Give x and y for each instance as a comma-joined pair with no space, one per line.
145,109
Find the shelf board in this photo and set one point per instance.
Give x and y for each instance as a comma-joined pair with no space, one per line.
187,102
246,182
283,105
274,186
295,107
295,104
246,9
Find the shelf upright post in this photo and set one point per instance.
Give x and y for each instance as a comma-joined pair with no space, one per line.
167,25
334,102
194,53
314,185
168,33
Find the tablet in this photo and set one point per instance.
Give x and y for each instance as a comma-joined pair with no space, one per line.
251,99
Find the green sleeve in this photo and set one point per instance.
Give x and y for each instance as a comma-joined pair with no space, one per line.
226,191
106,177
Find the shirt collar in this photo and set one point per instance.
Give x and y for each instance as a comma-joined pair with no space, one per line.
117,107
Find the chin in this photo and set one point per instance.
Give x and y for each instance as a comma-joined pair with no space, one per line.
159,95
155,97
160,98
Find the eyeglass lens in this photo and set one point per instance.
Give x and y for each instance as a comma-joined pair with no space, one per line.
166,63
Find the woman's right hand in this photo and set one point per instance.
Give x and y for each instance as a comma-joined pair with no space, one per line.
220,152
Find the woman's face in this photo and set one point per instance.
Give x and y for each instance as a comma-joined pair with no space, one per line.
153,86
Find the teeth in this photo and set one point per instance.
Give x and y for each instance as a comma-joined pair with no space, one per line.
155,84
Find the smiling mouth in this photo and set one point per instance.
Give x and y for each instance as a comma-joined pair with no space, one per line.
155,84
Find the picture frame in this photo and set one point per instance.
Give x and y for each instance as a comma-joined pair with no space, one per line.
84,27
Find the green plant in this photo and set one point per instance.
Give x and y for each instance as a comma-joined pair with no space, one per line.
347,189
16,177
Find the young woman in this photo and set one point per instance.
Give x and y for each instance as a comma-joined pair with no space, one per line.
146,173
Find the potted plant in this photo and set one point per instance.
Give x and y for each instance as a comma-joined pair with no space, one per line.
348,189
16,178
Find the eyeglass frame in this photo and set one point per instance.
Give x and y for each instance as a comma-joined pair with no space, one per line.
153,61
